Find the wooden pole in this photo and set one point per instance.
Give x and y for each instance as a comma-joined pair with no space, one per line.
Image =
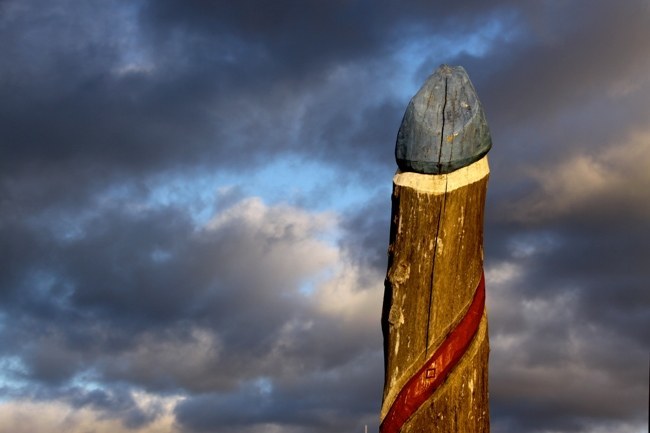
434,320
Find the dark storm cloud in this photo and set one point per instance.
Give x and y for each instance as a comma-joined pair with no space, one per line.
111,90
99,98
570,302
310,35
117,403
146,299
367,233
161,84
307,404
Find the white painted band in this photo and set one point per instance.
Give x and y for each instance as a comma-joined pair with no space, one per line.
441,183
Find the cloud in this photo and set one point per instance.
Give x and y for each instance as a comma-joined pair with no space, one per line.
562,369
568,350
257,296
58,417
609,181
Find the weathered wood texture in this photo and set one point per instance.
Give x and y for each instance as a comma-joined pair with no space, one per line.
444,127
435,264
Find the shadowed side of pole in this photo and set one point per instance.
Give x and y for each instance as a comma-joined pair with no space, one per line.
433,320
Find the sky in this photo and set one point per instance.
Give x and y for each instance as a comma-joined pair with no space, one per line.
195,205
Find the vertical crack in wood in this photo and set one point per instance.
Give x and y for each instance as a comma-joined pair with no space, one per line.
440,214
442,128
433,266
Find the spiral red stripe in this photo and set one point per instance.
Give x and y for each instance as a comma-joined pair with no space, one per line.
436,369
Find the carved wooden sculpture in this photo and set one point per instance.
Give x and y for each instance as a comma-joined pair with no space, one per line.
434,320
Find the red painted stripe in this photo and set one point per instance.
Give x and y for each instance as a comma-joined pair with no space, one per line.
436,369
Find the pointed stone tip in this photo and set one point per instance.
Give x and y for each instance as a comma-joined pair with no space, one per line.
444,127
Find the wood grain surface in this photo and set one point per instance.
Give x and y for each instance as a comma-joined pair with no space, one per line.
435,265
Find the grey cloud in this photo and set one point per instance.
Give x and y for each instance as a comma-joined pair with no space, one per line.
81,111
101,96
117,403
308,401
222,309
366,233
570,315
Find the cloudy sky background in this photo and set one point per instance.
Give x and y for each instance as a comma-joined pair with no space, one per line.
195,202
